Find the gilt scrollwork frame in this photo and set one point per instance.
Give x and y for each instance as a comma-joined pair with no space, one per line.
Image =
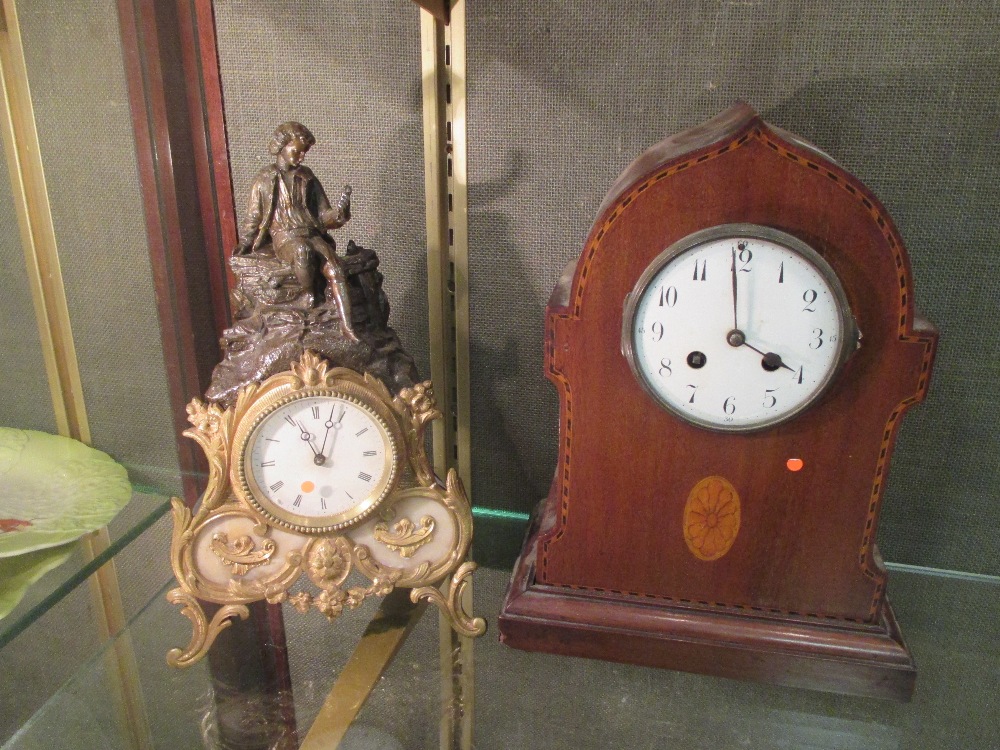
265,560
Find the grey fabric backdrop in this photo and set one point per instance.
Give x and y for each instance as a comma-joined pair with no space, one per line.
563,95
77,79
351,73
28,404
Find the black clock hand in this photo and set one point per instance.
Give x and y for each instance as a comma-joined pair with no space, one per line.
329,425
736,325
771,359
307,438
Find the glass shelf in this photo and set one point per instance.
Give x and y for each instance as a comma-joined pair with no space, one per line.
527,701
142,511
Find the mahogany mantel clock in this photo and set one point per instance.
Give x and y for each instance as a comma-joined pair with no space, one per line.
733,353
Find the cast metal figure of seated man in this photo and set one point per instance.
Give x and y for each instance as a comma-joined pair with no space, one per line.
289,206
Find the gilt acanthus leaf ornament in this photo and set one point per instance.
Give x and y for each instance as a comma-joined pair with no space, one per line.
405,537
242,554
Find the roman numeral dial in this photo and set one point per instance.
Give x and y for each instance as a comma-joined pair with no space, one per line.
318,460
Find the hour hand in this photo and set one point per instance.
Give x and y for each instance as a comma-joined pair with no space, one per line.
307,439
771,360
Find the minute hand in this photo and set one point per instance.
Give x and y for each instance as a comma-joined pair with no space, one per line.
335,426
736,325
329,426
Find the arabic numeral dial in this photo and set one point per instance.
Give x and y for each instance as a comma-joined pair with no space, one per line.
739,327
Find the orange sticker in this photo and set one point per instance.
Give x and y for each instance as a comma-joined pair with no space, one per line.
711,518
308,486
794,464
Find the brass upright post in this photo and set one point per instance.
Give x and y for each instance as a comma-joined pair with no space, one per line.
439,273
446,190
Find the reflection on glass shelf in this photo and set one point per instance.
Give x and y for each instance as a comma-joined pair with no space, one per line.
141,513
81,714
126,697
533,701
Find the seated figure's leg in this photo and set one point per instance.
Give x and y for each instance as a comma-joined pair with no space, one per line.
297,251
337,284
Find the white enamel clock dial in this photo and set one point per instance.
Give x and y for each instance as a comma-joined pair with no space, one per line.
737,328
318,462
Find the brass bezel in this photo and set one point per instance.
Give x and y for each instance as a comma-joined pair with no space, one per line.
245,486
848,344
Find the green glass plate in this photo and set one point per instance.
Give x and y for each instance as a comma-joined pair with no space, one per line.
54,490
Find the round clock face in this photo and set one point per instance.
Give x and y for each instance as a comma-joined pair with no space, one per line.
317,461
737,328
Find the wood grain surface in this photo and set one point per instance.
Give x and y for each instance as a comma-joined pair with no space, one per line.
612,526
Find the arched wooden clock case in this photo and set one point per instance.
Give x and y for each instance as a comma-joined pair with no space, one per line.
799,595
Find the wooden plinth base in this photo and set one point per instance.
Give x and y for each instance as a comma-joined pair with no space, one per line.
866,660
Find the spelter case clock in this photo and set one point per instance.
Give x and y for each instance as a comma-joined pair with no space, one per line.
319,492
733,352
315,474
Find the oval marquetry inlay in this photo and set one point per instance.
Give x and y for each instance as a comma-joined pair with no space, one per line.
711,518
